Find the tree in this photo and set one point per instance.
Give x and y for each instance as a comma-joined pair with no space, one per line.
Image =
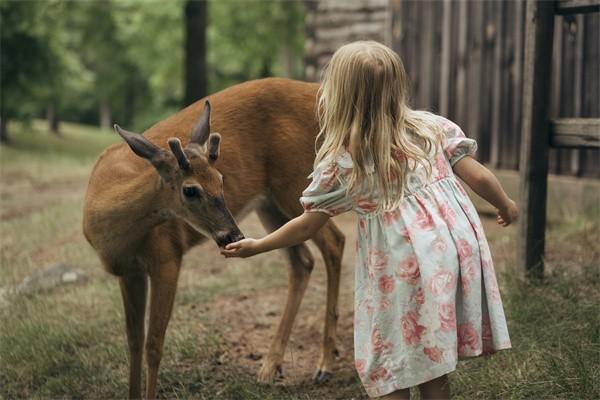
24,61
195,51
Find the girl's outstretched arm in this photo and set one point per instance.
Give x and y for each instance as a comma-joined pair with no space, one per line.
486,185
294,232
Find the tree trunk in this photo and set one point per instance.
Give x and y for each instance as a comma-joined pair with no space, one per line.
195,51
53,121
105,114
4,131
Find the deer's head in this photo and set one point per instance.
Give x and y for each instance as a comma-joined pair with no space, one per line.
191,179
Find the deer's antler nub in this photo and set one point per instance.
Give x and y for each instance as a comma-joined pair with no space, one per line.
175,145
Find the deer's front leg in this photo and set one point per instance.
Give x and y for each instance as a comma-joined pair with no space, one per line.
133,291
163,281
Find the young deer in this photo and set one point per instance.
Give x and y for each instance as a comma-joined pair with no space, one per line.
146,206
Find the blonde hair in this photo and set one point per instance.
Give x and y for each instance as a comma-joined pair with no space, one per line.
362,106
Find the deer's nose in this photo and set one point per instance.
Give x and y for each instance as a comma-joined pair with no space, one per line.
225,238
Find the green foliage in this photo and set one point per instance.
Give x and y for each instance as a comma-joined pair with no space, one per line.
128,55
249,40
25,59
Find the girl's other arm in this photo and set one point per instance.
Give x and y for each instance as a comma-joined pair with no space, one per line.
292,233
486,185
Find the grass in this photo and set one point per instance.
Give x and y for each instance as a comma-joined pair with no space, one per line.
70,342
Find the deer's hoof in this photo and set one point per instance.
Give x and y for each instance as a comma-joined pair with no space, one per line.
268,372
322,376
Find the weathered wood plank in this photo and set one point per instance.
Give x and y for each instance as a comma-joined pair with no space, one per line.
475,89
445,63
577,6
534,140
575,167
575,132
426,51
517,73
461,73
496,140
556,86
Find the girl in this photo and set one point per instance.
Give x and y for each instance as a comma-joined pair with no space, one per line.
425,288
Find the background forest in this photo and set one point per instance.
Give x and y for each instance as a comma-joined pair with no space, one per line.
94,62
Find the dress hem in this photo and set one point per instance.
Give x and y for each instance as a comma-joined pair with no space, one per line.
390,387
382,390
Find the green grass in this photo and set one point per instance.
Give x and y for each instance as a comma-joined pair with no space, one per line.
70,342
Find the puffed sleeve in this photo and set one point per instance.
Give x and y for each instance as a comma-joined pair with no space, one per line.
456,144
327,191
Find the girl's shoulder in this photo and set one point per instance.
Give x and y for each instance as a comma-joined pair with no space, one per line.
448,127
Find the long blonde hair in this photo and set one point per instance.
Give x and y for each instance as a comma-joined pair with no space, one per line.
362,107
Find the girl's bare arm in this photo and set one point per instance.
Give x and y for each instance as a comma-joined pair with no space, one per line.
292,233
486,185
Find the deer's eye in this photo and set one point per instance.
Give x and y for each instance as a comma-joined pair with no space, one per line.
191,192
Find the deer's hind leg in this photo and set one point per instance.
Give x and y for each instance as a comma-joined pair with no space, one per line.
134,290
301,265
330,241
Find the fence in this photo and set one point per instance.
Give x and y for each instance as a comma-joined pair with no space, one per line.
465,60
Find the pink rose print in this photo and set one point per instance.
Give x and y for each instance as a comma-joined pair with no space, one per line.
379,374
384,304
390,217
366,205
448,215
464,250
366,305
386,284
468,272
419,296
328,177
405,234
424,220
408,270
439,245
442,282
434,354
377,260
379,345
467,338
411,330
494,290
441,166
360,366
447,317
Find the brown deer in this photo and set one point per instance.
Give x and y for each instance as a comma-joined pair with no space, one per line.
146,205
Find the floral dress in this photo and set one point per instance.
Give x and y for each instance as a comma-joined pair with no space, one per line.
425,288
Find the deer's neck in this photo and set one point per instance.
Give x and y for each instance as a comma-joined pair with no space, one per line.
131,211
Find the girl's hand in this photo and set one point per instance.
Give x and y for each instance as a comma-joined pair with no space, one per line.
243,248
508,214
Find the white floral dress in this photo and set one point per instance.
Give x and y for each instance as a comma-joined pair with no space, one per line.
425,287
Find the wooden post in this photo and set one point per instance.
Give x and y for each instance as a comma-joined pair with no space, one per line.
534,135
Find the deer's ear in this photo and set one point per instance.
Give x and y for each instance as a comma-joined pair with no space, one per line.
139,144
202,129
213,146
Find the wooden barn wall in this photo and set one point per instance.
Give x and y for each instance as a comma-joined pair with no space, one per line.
465,61
331,23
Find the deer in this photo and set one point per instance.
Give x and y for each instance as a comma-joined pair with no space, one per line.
188,179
